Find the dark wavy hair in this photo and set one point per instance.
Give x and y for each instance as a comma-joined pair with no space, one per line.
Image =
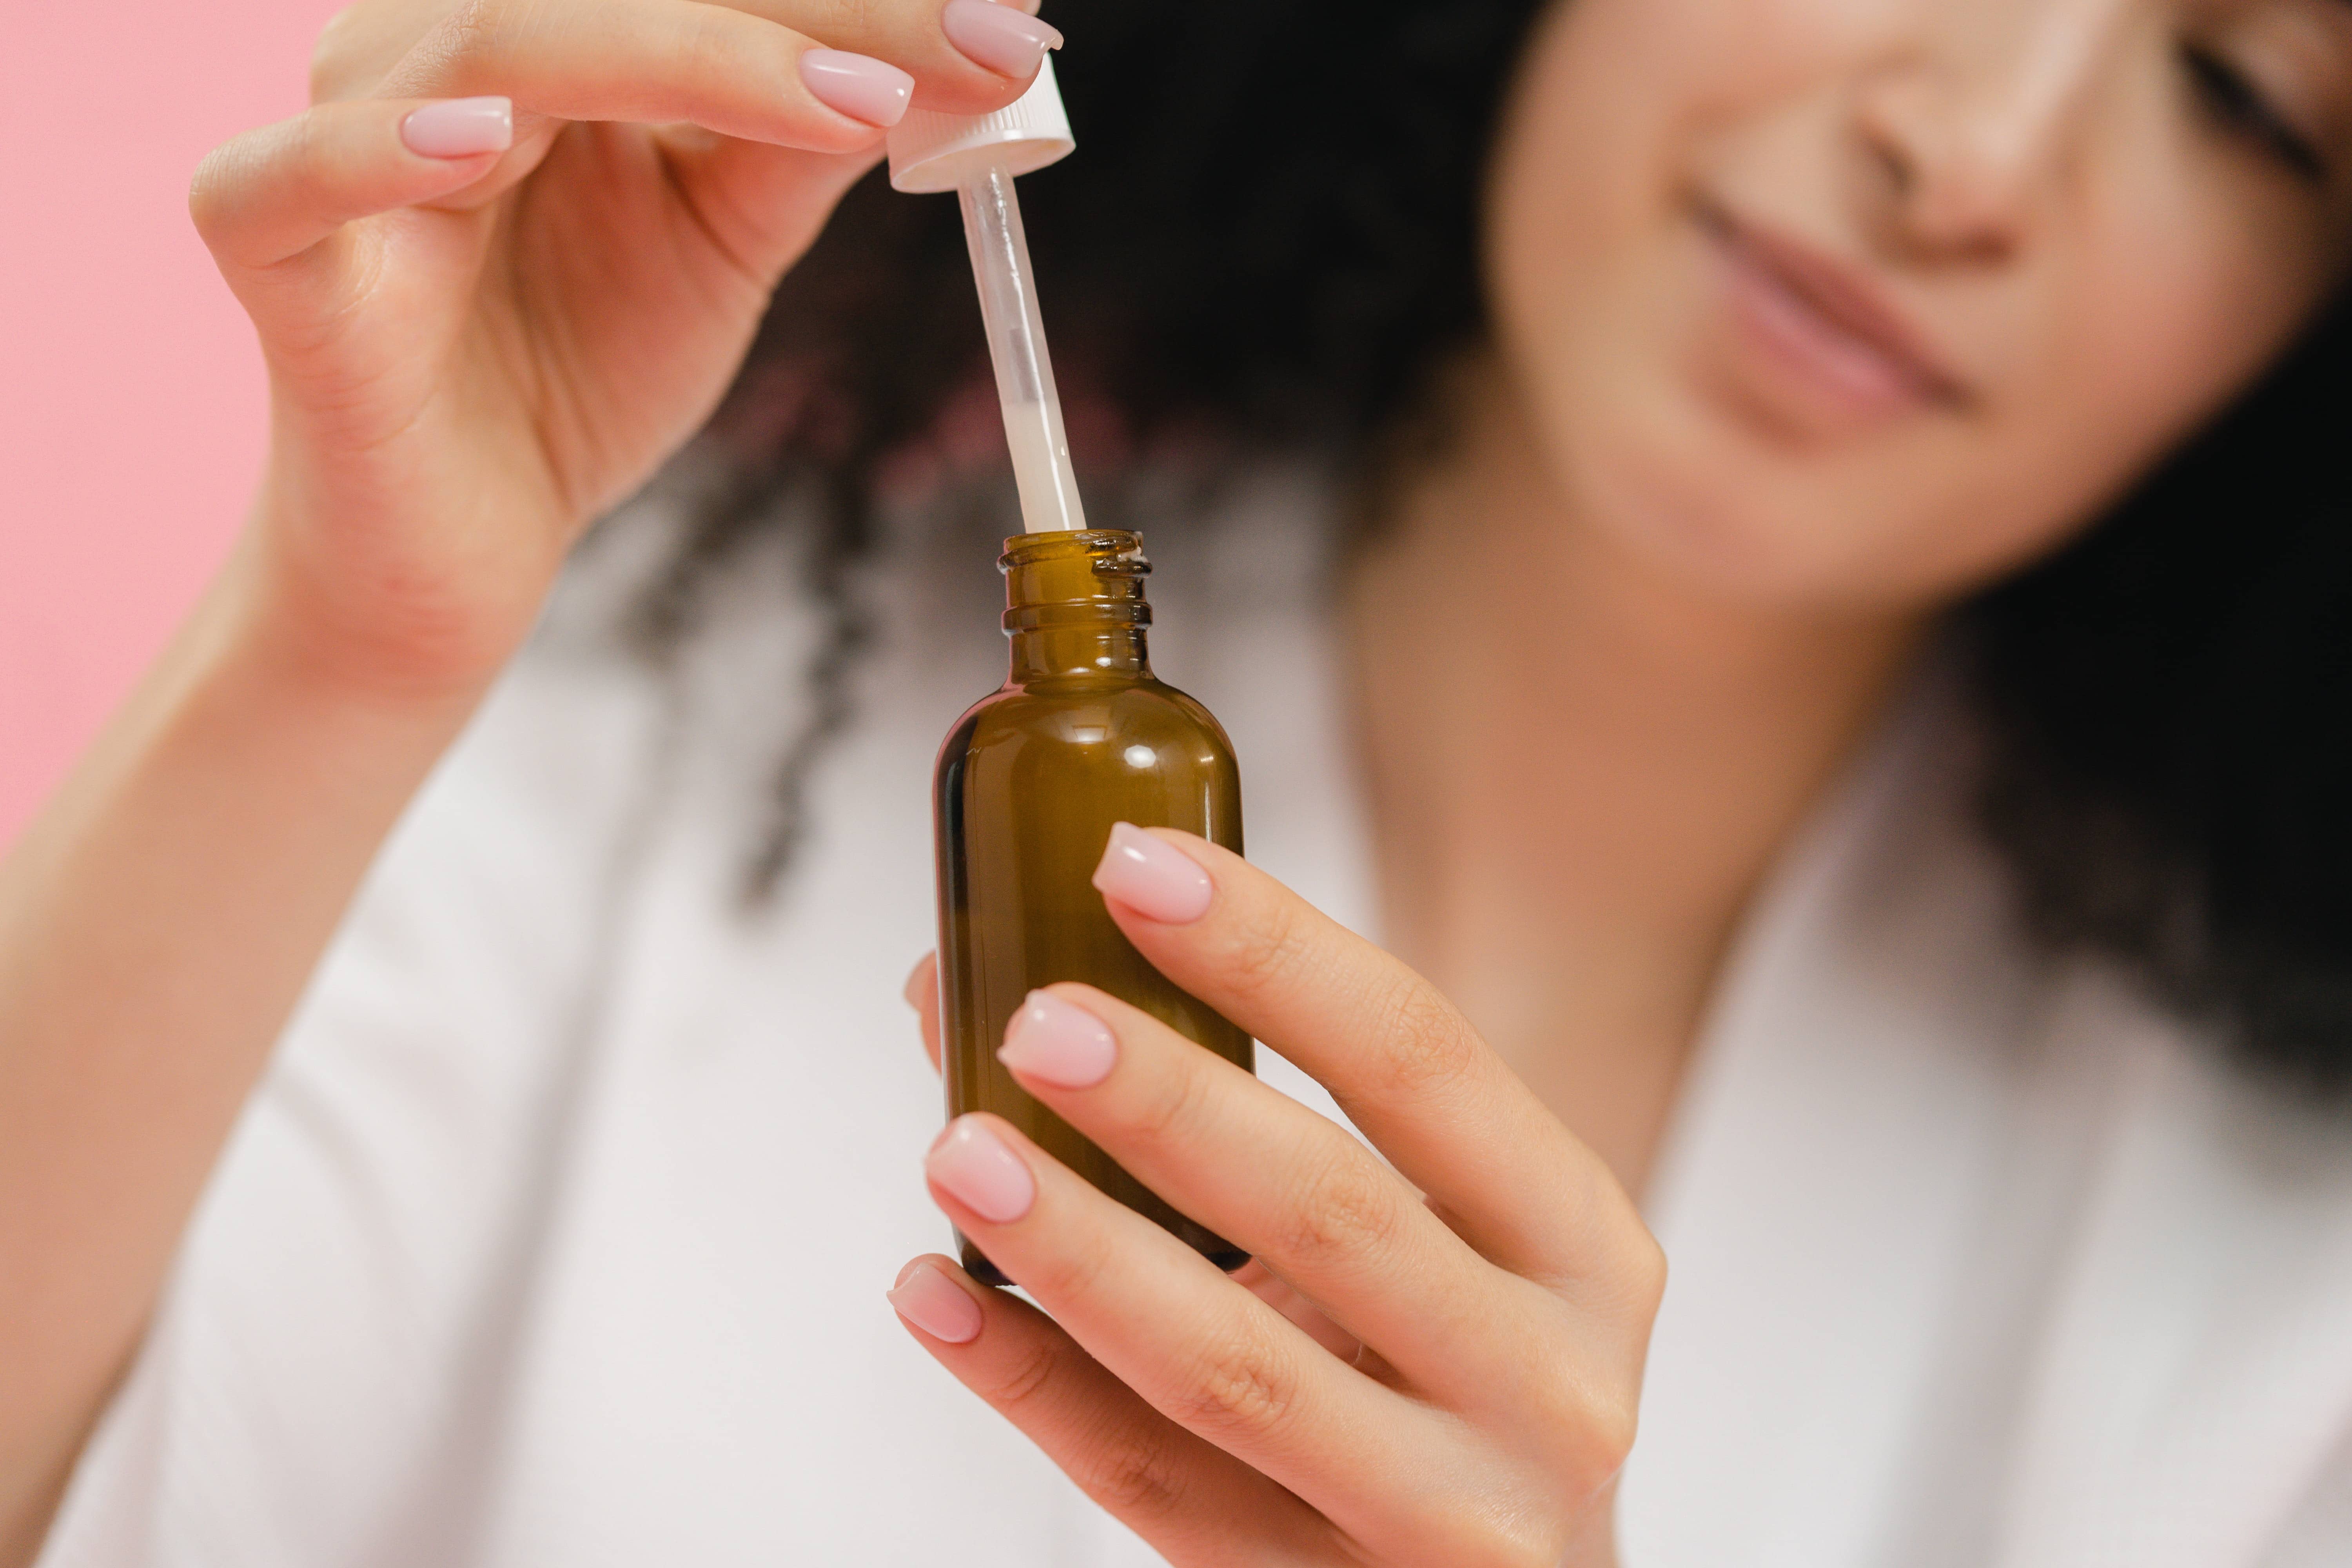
1270,244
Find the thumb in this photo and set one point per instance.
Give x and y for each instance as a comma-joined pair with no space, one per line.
273,204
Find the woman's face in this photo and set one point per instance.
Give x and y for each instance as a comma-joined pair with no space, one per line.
1862,301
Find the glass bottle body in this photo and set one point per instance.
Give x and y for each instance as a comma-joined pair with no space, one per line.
1030,782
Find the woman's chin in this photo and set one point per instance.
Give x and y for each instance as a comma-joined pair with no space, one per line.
1709,517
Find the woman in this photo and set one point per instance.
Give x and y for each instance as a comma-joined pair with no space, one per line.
546,1238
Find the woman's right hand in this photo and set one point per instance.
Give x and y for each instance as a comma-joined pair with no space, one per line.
508,260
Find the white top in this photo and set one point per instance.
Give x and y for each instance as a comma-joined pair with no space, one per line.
557,1234
930,152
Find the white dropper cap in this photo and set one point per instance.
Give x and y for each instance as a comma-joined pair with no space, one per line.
931,152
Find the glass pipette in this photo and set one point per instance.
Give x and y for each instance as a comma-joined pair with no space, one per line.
1016,346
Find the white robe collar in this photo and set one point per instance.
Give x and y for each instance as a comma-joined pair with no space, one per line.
1975,1258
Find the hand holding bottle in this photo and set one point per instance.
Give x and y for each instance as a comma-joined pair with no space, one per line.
509,261
1397,1380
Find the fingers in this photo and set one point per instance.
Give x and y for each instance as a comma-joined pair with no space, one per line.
968,57
923,996
822,75
360,43
1304,1314
1407,1067
1178,1492
1196,1347
273,193
1285,1184
657,62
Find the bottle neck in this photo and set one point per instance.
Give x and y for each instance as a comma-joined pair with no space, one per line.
1081,652
1074,606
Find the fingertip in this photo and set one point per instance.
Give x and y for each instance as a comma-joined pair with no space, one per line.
973,1162
1058,1042
1205,853
922,982
1191,844
928,1260
875,93
459,128
273,191
934,1297
1008,40
1153,877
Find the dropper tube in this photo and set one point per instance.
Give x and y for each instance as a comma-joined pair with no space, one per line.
1016,346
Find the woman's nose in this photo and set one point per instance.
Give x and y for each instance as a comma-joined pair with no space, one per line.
1976,123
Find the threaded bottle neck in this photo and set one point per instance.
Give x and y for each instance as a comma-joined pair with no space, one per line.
1074,605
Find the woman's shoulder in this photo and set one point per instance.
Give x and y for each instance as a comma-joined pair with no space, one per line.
2032,1252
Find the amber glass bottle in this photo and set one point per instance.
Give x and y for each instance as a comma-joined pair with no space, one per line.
1030,782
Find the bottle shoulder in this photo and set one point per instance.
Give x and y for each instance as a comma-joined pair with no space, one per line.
1088,714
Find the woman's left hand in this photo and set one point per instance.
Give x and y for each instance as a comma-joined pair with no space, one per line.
1394,1381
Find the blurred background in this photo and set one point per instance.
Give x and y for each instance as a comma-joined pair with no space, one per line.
131,410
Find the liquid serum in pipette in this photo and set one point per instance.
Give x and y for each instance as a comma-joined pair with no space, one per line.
1082,746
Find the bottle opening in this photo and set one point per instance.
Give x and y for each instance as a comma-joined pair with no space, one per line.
1074,577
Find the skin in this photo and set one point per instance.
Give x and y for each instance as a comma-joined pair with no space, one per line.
469,359
1736,548
1704,561
1731,560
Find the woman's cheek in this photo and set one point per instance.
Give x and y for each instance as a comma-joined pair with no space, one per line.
2167,325
2167,287
1591,260
2150,296
2146,346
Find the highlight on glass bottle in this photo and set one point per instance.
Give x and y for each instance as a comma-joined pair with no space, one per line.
1030,782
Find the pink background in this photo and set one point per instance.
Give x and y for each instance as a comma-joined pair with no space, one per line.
131,405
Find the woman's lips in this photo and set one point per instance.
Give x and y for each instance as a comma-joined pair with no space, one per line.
1825,325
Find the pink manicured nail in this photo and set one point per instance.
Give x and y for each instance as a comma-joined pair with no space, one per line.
1153,878
859,86
1008,42
974,1164
1059,1042
935,1304
459,128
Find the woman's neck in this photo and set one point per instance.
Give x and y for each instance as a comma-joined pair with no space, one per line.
1580,771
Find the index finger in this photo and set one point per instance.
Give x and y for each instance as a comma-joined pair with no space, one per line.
575,61
652,62
1402,1061
963,53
